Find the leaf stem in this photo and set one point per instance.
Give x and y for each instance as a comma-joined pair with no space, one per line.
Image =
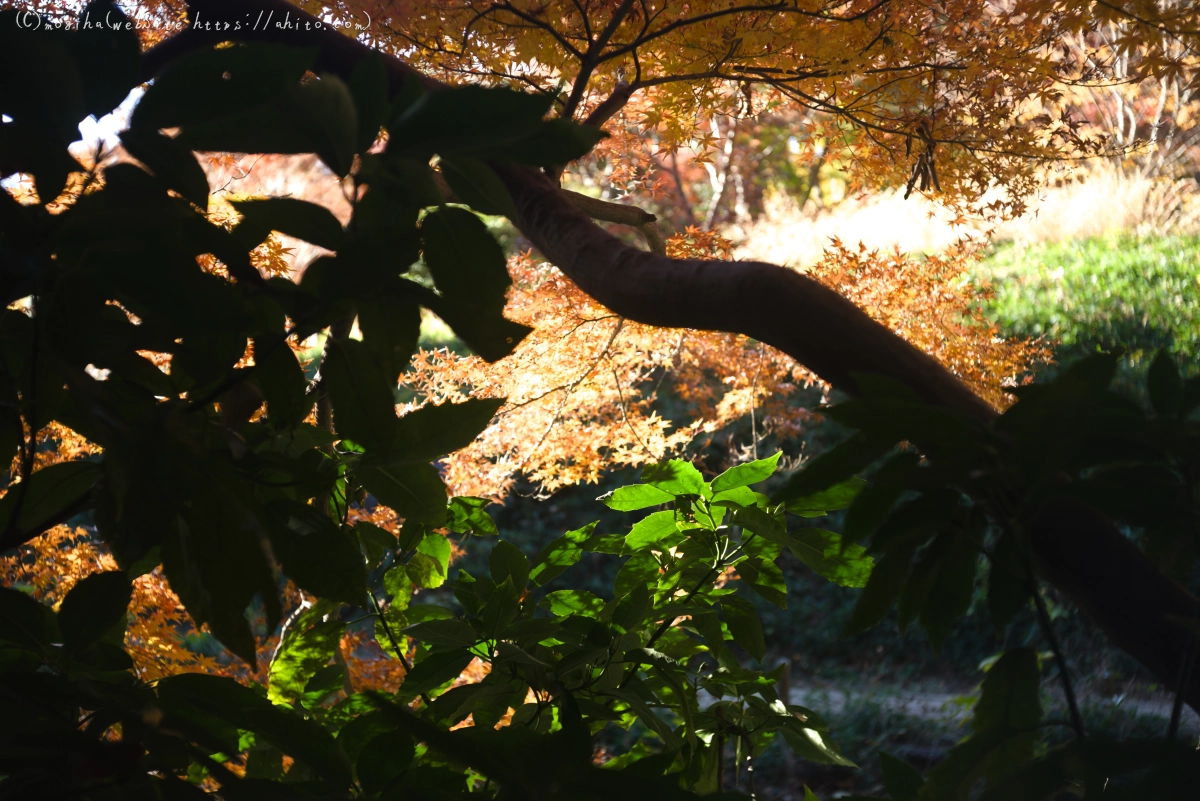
1060,660
395,645
1185,679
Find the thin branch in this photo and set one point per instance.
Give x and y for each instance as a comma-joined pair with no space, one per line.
1048,631
1185,679
625,416
592,57
574,385
780,8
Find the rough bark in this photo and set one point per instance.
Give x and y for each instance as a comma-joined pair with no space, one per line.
1076,549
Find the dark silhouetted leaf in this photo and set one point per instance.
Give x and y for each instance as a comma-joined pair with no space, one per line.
93,606
744,625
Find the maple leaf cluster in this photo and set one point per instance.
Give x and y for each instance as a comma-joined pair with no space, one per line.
583,388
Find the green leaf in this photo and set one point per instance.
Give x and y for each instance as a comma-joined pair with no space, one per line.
25,622
500,609
554,142
882,589
745,474
425,571
201,700
470,120
676,477
390,321
218,82
430,564
433,671
397,584
507,562
1164,385
332,118
765,578
384,759
109,58
213,556
437,547
632,609
559,555
171,163
823,551
639,570
95,605
647,716
368,87
471,272
1007,593
375,541
1010,702
833,467
651,530
634,497
415,492
324,683
316,553
742,496
364,408
477,185
307,647
433,431
811,744
744,625
759,522
950,589
279,375
51,491
873,503
561,603
901,779
444,635
389,625
469,515
298,218
836,497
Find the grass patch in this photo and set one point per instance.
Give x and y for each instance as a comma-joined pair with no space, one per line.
1100,293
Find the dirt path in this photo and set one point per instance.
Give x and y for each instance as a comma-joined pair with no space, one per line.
954,707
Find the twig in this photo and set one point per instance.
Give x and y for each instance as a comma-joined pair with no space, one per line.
1060,660
387,630
1185,679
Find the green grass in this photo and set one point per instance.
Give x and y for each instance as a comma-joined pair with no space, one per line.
1121,291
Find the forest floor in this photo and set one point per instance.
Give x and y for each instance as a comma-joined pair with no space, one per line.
955,707
920,722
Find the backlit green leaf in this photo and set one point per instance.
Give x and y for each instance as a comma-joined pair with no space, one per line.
634,497
745,474
822,551
676,477
308,646
651,530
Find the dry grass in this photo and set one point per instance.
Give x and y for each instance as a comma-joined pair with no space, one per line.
789,236
1102,201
